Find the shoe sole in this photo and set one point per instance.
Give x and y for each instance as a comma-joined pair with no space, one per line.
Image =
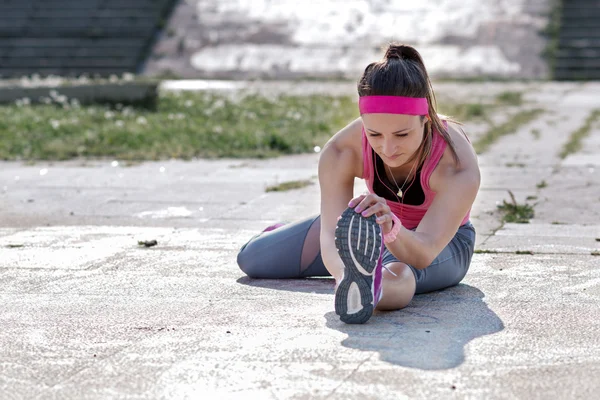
358,240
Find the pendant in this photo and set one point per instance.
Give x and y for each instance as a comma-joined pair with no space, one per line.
399,193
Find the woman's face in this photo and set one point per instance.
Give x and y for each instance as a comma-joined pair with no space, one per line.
395,137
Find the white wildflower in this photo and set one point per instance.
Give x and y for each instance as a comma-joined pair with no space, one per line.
109,115
119,123
142,121
55,124
188,103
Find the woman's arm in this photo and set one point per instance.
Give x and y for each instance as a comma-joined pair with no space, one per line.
338,166
456,187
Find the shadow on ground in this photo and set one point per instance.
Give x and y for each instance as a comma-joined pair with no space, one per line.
305,285
430,334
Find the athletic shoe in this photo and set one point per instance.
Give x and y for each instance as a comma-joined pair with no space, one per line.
359,242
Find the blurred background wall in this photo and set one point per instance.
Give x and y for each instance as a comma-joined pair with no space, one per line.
283,39
338,38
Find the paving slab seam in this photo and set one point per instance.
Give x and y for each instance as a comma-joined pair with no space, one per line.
344,381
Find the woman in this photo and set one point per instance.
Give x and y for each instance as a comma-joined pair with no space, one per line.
411,233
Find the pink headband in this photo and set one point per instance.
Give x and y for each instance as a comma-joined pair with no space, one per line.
393,105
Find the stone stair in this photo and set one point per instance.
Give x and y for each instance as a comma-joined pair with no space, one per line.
73,37
578,55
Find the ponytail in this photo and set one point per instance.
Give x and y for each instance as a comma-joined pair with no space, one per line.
402,73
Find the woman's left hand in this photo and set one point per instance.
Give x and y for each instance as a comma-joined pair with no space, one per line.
369,204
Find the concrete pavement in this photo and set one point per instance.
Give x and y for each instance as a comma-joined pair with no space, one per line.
87,313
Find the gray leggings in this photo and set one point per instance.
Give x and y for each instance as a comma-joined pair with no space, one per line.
292,251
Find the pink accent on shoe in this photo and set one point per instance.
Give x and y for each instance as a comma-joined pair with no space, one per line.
273,227
378,279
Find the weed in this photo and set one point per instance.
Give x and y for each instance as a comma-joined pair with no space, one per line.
541,185
463,111
514,212
284,186
576,138
509,127
528,252
510,98
552,31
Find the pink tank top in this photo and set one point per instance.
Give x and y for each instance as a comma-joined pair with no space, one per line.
409,215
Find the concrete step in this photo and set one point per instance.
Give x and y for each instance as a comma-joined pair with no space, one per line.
578,53
565,73
580,43
580,63
65,71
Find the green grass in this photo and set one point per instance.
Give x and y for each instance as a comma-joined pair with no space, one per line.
507,128
528,252
515,212
551,33
290,185
463,111
542,184
575,140
479,251
198,124
184,126
510,98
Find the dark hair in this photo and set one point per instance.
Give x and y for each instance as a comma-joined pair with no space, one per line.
402,73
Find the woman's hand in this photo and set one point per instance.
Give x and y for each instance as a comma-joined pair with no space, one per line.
369,204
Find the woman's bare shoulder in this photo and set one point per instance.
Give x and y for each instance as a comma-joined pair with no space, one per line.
462,145
447,166
346,147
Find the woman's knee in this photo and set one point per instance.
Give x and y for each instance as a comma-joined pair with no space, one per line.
247,261
398,289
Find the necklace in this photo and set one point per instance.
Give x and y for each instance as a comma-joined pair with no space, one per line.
400,193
